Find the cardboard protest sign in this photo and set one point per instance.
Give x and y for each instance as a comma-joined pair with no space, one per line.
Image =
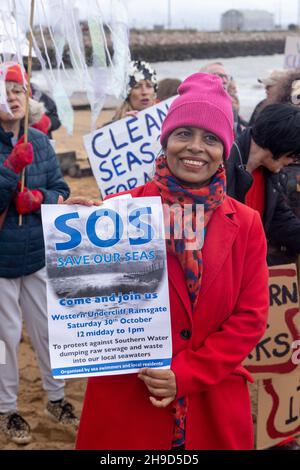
292,52
107,287
274,352
292,173
122,153
278,410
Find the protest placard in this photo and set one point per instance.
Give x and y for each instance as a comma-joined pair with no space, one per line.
273,354
107,287
278,410
122,153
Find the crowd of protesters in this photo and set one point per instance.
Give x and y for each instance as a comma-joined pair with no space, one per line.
210,155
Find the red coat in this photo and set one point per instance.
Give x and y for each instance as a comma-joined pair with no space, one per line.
228,321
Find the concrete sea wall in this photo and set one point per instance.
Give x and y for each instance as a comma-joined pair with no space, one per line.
171,45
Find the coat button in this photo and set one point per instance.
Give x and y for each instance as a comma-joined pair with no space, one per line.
185,334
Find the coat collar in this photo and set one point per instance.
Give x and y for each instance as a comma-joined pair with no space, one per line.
6,137
221,233
175,273
176,277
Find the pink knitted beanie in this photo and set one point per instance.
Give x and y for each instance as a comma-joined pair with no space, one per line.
203,103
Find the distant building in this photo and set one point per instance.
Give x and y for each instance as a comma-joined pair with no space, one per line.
247,20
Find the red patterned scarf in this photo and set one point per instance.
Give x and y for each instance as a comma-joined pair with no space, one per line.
173,192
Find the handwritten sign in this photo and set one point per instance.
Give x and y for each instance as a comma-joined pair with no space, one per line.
274,352
122,154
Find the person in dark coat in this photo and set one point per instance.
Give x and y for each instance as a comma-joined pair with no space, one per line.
254,172
22,256
255,177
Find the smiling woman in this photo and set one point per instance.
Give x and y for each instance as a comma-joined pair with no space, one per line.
218,297
194,155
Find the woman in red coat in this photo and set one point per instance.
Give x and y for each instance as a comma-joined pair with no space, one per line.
218,298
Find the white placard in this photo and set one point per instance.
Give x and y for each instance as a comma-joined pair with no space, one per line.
107,287
292,52
122,154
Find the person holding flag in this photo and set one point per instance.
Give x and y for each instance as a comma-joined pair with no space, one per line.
22,258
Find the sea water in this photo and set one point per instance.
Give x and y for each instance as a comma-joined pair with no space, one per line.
245,70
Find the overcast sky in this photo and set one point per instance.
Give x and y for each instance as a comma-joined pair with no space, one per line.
204,14
199,14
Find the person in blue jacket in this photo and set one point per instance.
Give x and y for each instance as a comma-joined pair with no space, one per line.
22,257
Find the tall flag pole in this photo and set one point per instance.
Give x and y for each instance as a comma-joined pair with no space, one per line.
26,123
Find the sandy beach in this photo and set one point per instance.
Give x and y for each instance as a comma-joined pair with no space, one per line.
46,433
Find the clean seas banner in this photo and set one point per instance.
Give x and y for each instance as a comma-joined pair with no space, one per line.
122,153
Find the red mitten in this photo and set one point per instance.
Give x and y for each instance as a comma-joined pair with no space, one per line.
28,200
43,125
21,156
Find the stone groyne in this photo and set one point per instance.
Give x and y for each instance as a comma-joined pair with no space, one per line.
169,45
185,45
